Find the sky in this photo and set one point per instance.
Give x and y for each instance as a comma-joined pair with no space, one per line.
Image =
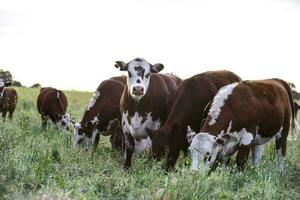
73,44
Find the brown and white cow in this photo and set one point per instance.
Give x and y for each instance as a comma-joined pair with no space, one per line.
242,117
8,99
145,103
102,115
188,109
52,105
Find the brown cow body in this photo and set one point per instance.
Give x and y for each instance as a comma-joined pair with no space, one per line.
191,99
8,101
244,116
52,105
101,111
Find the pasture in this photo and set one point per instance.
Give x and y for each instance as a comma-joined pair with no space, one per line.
37,163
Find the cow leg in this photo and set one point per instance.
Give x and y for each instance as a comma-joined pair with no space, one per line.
44,121
281,149
4,115
242,156
96,141
256,154
129,149
172,157
10,116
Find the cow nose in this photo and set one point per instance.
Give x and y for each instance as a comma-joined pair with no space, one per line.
138,90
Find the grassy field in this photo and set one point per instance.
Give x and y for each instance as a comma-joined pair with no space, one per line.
42,164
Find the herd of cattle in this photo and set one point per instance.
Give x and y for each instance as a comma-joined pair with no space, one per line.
212,115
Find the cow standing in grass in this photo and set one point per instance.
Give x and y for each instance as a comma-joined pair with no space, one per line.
242,117
145,103
52,105
191,99
102,115
8,99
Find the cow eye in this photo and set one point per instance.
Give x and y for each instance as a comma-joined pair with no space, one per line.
129,74
147,75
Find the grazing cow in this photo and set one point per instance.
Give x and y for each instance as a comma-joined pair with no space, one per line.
8,99
192,97
242,117
103,109
52,105
144,104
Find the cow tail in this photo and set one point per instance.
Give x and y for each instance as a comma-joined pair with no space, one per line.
294,123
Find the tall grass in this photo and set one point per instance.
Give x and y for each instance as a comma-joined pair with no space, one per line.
37,163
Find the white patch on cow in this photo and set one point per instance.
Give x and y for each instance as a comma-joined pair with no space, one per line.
257,154
57,95
141,146
201,147
93,99
219,101
133,80
95,120
136,128
246,137
190,134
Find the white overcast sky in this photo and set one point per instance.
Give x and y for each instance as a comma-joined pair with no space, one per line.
73,44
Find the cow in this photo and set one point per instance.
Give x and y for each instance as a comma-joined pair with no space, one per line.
8,99
52,105
103,109
145,103
242,118
192,98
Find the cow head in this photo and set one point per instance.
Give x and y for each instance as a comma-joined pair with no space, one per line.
138,79
114,129
85,133
204,150
64,121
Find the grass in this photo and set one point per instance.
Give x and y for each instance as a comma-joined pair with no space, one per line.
38,163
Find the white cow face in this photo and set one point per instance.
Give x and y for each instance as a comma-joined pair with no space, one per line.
203,151
138,75
64,122
85,134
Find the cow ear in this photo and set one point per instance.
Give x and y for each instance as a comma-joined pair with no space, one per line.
121,65
156,68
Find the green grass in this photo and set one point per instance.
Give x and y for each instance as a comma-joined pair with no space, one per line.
38,163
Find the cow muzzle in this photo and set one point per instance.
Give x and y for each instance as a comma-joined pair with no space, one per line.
138,91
